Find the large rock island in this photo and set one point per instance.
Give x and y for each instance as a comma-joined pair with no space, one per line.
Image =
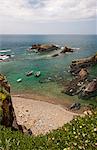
43,47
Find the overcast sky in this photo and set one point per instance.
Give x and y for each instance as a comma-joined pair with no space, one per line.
48,16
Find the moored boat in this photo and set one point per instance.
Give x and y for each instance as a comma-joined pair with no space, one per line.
4,57
37,74
19,80
29,73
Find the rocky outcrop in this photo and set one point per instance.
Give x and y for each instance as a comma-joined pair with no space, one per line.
81,85
7,113
43,47
77,65
67,49
90,89
7,110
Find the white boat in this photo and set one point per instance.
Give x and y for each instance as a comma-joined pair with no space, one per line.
37,74
19,80
4,57
29,73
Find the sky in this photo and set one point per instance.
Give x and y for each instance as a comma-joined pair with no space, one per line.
48,16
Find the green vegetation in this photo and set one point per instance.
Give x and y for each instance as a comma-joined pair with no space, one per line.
79,134
2,96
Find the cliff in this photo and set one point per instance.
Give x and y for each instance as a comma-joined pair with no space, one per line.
7,114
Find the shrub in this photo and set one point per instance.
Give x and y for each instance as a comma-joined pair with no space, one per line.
80,133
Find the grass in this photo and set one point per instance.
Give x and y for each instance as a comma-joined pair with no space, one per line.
79,134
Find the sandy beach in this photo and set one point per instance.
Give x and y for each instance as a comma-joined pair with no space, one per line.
40,116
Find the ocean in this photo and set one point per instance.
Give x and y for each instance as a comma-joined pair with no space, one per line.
57,67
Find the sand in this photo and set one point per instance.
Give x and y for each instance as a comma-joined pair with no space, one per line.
41,117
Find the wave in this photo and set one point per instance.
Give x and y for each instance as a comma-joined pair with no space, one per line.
76,48
6,50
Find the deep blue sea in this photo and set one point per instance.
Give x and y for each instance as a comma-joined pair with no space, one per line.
86,45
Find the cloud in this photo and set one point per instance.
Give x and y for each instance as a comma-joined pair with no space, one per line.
47,10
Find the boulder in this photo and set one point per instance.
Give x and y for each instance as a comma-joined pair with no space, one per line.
75,106
91,87
83,74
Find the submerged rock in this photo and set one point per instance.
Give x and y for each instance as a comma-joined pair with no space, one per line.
72,87
55,55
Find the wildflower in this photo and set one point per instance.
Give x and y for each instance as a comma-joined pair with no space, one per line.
83,135
86,141
80,127
95,144
53,138
68,148
75,144
80,147
76,137
74,132
95,129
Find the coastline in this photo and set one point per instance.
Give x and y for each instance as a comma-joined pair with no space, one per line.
63,103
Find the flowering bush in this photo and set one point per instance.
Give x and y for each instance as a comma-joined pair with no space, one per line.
79,134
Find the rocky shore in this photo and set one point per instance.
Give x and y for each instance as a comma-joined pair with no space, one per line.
81,85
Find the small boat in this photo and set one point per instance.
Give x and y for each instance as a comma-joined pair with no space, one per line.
29,73
4,57
19,80
37,74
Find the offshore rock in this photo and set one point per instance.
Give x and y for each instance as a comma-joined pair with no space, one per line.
43,47
67,49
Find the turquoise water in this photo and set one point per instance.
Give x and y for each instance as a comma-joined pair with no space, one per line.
49,67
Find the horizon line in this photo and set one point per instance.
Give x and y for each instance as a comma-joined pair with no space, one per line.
46,34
